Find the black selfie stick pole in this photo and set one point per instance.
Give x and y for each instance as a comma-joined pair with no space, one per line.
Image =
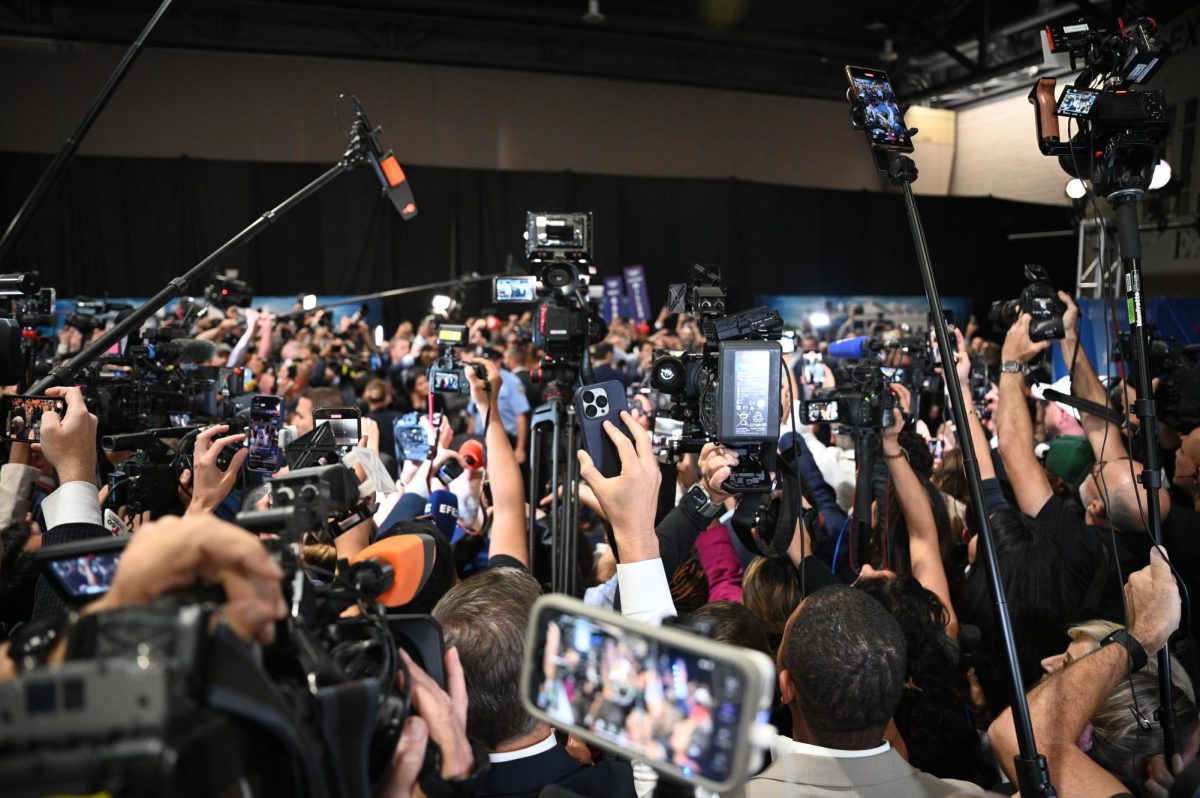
56,168
63,374
1125,202
1033,774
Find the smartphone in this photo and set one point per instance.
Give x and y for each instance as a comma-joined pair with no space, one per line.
412,440
936,448
346,423
819,411
814,368
687,706
514,289
450,471
262,437
595,404
23,415
82,570
885,124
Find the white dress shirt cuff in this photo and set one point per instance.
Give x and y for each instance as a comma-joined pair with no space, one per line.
73,503
645,594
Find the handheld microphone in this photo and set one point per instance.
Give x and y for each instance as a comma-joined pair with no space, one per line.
387,168
410,557
854,348
471,454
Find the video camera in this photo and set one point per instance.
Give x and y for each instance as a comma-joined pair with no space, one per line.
1121,131
227,291
728,393
31,307
1039,300
448,374
863,400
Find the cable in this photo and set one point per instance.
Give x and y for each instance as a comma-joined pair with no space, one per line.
796,504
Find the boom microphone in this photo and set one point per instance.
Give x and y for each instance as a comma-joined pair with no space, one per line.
181,350
854,348
387,168
411,558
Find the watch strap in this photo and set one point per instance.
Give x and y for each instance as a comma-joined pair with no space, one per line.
1137,654
702,503
1012,367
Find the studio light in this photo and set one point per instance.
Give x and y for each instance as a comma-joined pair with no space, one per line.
1076,188
309,302
1162,175
441,303
818,320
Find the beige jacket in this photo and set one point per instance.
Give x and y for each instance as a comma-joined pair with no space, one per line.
885,775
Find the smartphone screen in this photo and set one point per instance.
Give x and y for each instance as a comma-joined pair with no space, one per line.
885,124
450,471
345,421
412,440
23,415
679,707
263,438
514,289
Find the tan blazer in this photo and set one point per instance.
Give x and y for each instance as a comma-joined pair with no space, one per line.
884,775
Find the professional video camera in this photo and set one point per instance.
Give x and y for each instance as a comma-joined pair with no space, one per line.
862,401
1122,131
227,291
31,307
1039,300
152,701
565,323
728,393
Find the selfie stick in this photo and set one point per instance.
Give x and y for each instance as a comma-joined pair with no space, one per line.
1033,775
59,165
357,153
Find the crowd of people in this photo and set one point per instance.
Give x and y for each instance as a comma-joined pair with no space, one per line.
892,672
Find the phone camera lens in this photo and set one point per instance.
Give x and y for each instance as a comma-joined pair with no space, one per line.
602,401
590,411
589,397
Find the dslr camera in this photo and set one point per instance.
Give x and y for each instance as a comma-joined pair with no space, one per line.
1039,300
448,374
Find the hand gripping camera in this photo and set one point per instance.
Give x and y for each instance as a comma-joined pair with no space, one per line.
1039,300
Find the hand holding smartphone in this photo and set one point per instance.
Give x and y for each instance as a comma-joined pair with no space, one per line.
262,441
595,404
23,415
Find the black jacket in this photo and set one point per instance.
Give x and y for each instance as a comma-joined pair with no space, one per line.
525,778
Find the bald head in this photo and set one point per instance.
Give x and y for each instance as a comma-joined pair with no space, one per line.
1113,497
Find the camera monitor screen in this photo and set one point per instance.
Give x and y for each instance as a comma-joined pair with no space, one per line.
885,123
344,421
514,289
452,334
673,699
412,440
820,411
23,415
1077,103
749,391
445,381
83,570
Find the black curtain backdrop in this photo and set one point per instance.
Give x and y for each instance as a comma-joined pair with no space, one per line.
126,226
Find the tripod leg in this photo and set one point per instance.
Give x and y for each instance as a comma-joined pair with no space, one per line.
535,476
571,510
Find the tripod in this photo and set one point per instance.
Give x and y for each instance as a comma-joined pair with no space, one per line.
1033,775
1125,203
556,418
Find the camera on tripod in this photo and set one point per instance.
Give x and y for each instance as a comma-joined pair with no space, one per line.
1121,131
866,402
1039,300
729,393
448,373
31,307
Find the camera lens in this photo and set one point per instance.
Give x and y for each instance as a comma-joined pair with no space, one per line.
590,411
601,401
589,397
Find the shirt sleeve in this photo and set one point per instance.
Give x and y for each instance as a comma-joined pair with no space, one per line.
721,564
645,594
73,503
16,491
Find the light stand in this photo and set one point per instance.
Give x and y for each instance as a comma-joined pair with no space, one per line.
1033,775
1125,203
356,154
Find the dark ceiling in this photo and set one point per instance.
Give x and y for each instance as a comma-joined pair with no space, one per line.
789,47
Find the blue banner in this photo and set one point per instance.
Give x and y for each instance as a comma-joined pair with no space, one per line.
637,293
614,298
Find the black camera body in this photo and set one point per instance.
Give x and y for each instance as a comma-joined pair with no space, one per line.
1039,300
863,401
227,291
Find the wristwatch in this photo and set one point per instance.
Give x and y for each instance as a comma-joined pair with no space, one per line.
1012,367
698,499
1137,654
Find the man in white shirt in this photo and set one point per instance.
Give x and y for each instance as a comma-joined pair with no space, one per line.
841,673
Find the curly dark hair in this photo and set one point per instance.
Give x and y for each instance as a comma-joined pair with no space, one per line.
932,715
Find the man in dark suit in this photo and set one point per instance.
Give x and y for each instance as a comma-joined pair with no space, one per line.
485,619
602,365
